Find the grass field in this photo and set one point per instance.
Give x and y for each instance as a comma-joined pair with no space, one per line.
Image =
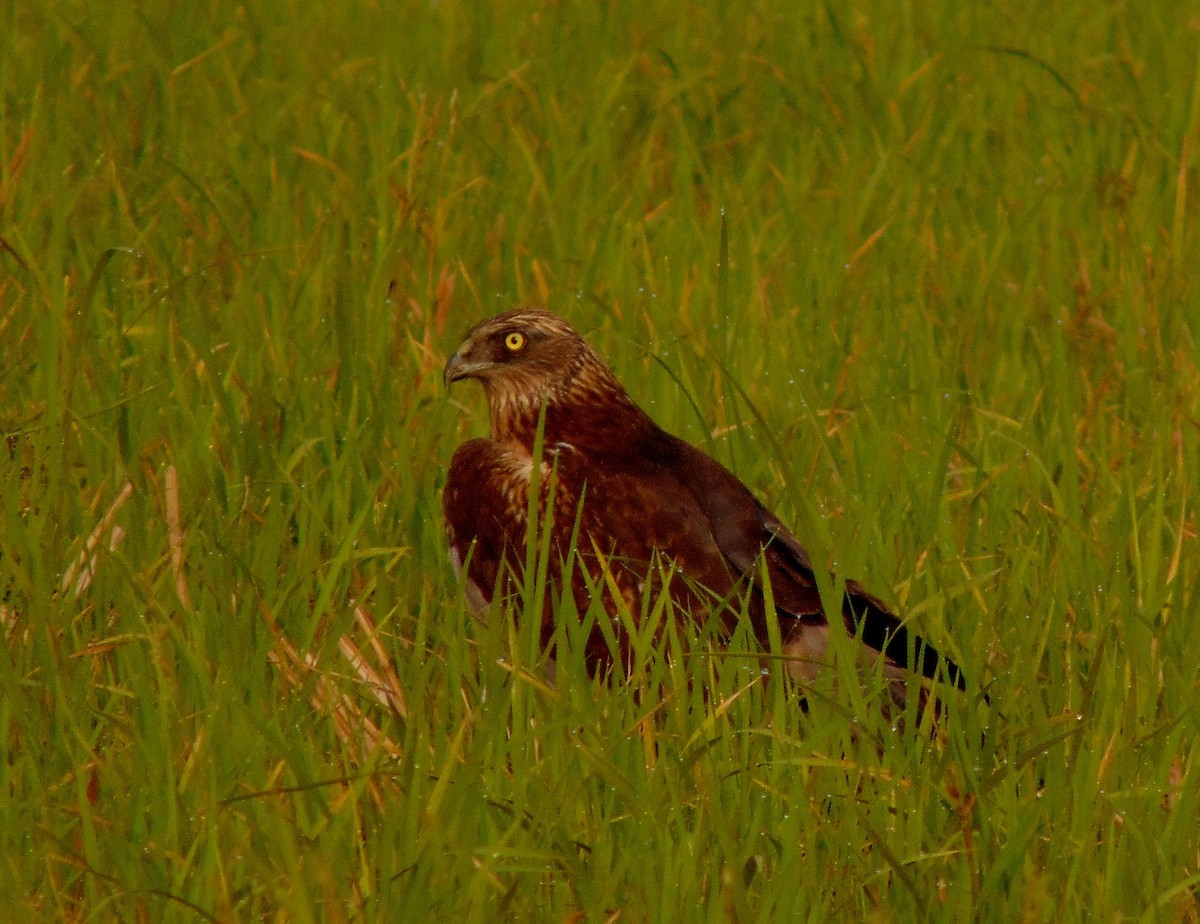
923,275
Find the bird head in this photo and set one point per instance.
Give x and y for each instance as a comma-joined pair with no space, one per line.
530,359
525,350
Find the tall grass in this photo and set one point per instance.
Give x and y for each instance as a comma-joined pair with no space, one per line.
923,275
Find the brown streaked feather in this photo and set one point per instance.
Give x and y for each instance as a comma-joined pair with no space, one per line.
645,495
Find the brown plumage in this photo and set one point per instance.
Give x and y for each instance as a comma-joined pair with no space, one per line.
655,510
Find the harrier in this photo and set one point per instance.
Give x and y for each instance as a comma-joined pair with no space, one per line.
632,511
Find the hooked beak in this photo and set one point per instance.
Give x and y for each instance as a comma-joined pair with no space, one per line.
461,366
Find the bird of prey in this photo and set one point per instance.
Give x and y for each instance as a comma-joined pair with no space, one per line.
633,511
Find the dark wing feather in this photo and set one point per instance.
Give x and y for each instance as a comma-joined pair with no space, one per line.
744,529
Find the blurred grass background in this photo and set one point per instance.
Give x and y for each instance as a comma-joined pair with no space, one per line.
923,275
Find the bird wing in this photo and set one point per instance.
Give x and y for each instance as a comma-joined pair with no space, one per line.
665,498
485,503
743,529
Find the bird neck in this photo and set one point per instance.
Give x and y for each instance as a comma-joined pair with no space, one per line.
599,419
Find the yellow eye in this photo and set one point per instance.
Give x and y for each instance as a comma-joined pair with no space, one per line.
515,341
